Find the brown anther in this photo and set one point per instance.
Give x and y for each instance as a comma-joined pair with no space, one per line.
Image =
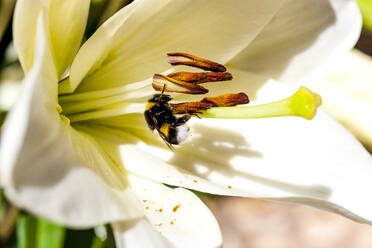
174,85
195,62
200,77
227,100
190,107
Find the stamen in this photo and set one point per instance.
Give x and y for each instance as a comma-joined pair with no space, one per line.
174,85
200,77
303,103
194,62
227,100
190,107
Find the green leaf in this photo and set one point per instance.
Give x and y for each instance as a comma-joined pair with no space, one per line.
49,235
38,233
366,9
26,231
110,240
97,242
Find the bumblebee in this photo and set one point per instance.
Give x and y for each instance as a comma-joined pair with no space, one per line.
159,115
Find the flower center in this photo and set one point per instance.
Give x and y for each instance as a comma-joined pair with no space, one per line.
132,98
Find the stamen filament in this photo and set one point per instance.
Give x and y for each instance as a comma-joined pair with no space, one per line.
89,105
92,95
111,111
303,103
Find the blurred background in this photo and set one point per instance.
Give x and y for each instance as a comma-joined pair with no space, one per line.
244,222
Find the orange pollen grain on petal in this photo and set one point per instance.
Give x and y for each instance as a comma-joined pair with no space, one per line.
172,223
175,208
229,187
195,181
147,208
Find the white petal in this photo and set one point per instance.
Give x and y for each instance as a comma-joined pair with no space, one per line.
178,214
302,36
260,89
133,44
138,233
314,162
67,21
52,170
66,25
24,29
347,92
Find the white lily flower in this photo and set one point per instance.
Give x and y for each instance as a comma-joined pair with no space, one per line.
88,158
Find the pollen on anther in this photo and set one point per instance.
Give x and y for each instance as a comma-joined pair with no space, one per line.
147,208
195,181
229,186
172,223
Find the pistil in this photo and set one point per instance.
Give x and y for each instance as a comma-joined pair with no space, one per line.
303,103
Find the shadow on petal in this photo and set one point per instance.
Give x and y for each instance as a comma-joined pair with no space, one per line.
211,153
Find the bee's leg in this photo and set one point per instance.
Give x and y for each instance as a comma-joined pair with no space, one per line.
196,115
183,119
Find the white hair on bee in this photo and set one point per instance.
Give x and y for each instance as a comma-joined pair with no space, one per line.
182,133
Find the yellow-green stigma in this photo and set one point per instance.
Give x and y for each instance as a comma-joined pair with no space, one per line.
304,103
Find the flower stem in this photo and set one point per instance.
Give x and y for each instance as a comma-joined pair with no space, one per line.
303,103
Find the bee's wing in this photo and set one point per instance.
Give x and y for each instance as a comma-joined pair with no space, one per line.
162,135
165,140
